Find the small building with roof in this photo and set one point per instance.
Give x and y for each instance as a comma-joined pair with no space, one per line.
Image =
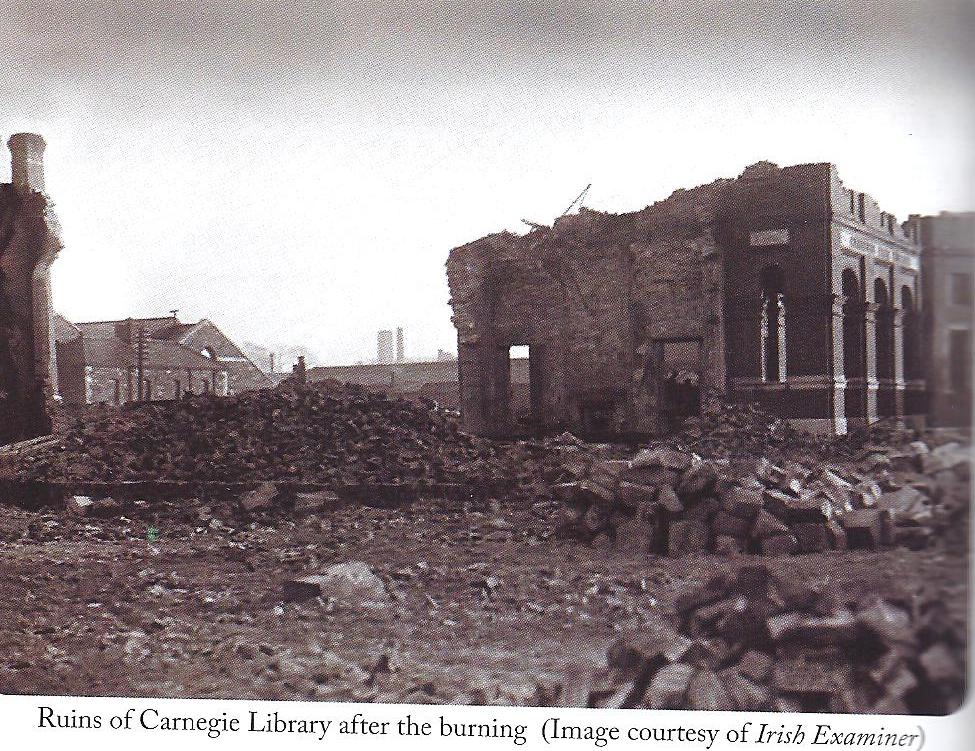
113,362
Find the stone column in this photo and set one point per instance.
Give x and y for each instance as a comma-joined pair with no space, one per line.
470,384
484,382
872,384
899,384
836,369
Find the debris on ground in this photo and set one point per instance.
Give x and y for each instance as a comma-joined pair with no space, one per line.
672,501
752,641
351,583
319,433
281,588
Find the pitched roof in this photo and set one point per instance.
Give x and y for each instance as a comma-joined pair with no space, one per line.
167,354
112,352
176,332
107,352
106,329
165,335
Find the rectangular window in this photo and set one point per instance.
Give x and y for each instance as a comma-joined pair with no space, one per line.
961,289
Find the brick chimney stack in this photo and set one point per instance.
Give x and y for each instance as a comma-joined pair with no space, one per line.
400,346
27,161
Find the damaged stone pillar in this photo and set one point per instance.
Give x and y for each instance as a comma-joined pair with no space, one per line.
714,386
648,398
484,383
29,243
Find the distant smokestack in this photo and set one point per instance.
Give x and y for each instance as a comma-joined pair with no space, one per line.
27,161
399,345
272,362
384,346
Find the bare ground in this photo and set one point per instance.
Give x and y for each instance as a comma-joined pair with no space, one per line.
486,605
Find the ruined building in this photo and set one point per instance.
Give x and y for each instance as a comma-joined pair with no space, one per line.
781,287
29,242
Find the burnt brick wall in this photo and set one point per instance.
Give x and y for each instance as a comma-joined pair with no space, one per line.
589,296
793,201
29,242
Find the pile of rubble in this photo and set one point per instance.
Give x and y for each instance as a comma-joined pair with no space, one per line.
670,501
754,642
734,429
320,433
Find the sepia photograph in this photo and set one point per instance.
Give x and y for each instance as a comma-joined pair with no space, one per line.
540,353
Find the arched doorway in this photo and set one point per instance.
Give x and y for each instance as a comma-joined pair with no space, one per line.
772,333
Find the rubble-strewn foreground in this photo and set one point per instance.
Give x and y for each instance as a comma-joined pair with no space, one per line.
518,599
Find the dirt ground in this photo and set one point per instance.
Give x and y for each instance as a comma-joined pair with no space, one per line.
486,607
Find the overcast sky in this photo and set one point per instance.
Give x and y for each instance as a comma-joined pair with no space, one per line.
298,171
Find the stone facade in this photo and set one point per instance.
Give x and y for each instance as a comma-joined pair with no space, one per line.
948,264
781,287
29,242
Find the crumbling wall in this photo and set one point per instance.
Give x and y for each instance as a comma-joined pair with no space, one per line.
734,286
29,242
598,298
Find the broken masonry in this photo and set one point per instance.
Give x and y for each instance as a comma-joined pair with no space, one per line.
781,287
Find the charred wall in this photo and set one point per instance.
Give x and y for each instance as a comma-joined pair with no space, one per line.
29,243
735,288
602,301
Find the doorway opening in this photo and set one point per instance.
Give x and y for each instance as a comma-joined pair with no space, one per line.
519,387
678,361
773,324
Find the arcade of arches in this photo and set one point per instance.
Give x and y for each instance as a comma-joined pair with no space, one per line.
881,351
